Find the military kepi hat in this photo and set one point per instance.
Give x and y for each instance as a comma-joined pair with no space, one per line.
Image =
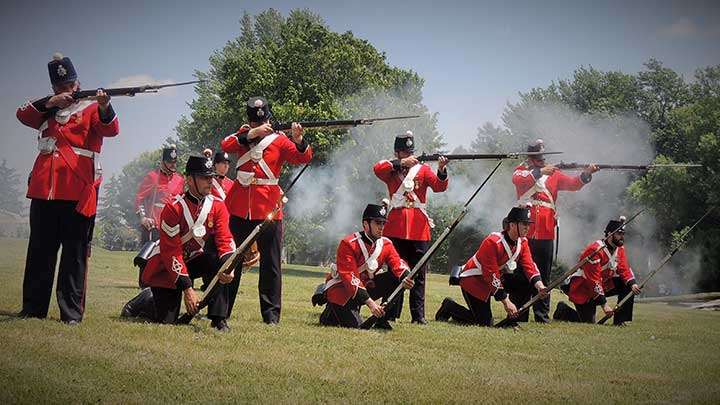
615,224
61,70
519,214
221,157
405,142
258,110
199,166
169,154
376,212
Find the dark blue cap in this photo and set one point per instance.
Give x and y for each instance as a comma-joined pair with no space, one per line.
61,70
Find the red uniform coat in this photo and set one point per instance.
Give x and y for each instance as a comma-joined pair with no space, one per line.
256,201
221,186
156,190
409,222
350,274
596,276
164,269
543,197
491,256
69,172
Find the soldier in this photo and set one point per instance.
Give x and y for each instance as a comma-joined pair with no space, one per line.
607,274
408,224
538,184
358,278
195,240
221,184
157,188
261,153
63,187
491,269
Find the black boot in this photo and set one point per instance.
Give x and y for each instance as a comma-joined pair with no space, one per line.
220,324
142,306
442,314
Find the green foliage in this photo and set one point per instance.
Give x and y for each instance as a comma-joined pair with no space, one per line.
117,221
10,194
306,71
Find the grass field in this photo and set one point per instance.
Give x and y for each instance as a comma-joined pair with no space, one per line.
668,354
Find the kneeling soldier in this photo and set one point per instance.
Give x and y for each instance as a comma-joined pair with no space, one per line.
195,240
496,260
357,280
607,274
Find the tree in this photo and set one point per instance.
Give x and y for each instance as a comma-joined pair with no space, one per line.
10,195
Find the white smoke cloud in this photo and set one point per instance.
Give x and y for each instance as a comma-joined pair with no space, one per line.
143,79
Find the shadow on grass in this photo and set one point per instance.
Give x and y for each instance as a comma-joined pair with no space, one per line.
8,316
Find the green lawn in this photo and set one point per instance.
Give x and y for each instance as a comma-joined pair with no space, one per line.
669,354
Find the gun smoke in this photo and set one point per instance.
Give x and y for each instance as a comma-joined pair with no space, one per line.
338,191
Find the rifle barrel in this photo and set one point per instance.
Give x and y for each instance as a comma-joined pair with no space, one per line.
480,156
338,123
130,91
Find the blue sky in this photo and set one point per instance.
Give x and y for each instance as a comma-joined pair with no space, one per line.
475,56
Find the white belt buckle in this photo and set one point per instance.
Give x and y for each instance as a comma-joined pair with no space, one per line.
47,145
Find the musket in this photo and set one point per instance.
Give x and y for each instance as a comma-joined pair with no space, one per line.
370,322
130,91
481,156
666,259
236,258
565,275
579,166
278,126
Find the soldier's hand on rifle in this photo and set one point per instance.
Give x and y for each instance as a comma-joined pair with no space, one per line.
442,162
260,132
636,289
542,290
103,99
375,309
409,161
607,310
297,132
590,169
548,170
191,300
61,100
510,308
408,283
225,278
147,223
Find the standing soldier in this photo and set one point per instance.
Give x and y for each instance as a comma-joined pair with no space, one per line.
358,278
157,188
489,270
63,187
607,274
538,184
195,240
408,224
221,184
261,153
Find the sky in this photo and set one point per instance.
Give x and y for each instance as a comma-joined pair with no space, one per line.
475,56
